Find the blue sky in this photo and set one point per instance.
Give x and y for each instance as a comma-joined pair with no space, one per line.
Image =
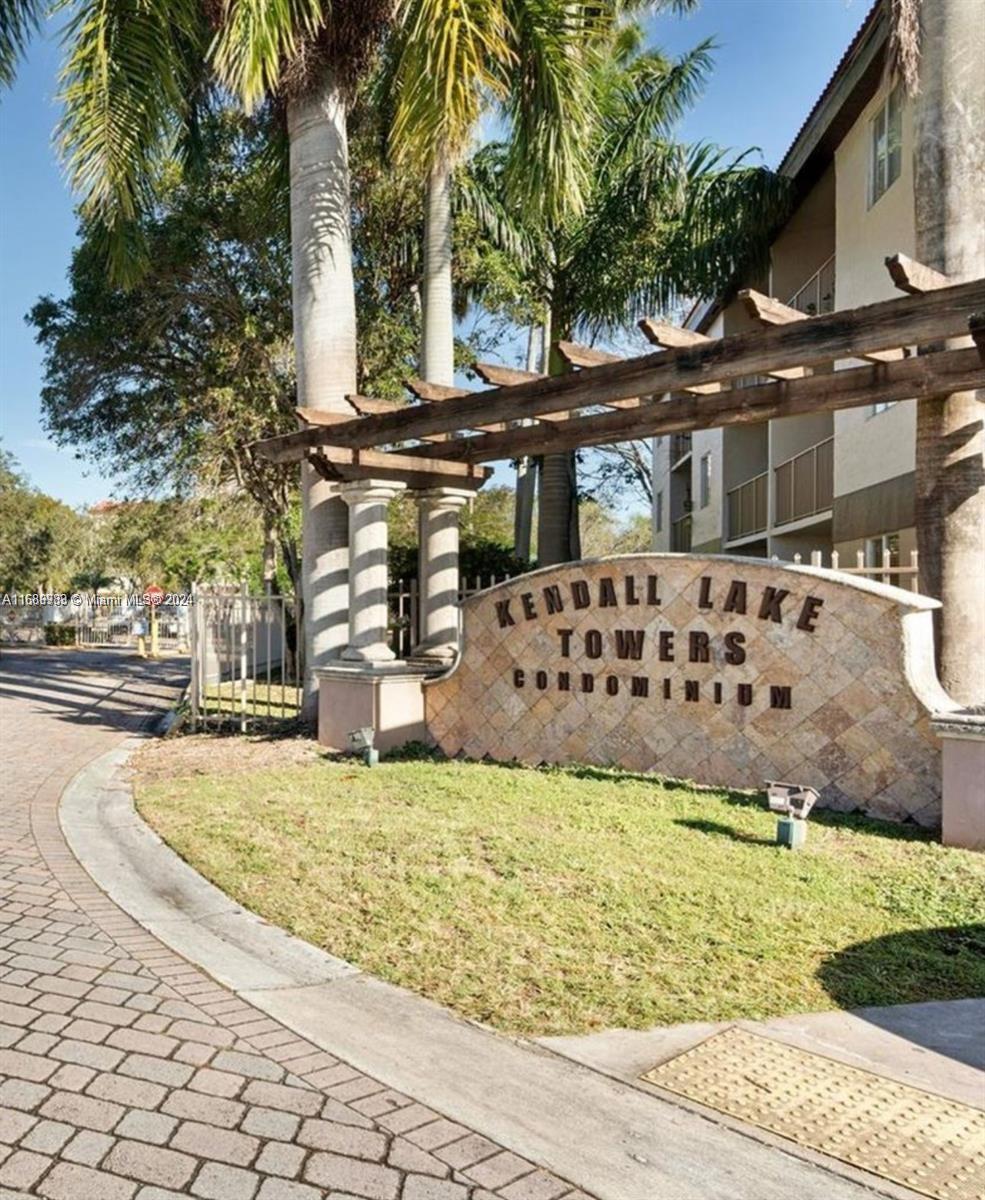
773,58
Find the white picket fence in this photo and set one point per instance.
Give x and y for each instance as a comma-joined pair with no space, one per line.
904,575
403,598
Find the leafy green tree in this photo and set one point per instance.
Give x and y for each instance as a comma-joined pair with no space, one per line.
39,536
169,381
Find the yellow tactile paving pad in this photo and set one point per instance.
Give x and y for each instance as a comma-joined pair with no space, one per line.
932,1145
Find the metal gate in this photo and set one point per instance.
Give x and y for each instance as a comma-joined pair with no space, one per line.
245,660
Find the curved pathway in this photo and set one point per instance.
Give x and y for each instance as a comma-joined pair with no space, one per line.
128,1074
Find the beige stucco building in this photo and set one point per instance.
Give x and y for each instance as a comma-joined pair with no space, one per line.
827,481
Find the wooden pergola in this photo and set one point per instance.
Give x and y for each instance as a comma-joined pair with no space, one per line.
911,347
897,349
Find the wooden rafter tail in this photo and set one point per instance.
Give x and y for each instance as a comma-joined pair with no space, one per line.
912,276
829,337
577,355
318,416
501,376
434,393
669,337
585,356
672,337
367,406
908,378
772,312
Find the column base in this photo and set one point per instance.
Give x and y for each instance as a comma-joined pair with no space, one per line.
962,735
440,654
377,652
389,699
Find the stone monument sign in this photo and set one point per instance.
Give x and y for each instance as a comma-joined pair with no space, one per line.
724,671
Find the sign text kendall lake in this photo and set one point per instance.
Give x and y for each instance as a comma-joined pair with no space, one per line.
581,652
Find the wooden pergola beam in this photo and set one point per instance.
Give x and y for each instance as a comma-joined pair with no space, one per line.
906,320
912,276
772,312
345,465
876,383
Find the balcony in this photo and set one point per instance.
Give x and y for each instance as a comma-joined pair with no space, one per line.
747,507
817,295
680,535
805,483
680,448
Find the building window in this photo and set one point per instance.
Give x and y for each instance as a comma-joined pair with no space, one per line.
887,145
658,513
704,481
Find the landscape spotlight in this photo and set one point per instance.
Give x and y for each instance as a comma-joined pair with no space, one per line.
793,801
361,742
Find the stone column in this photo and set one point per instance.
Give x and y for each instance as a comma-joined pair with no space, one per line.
368,615
438,572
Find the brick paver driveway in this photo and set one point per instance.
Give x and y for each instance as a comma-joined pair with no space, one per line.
127,1074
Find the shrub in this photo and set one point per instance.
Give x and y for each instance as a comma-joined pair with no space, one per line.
59,635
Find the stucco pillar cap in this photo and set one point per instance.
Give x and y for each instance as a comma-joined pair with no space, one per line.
359,491
449,497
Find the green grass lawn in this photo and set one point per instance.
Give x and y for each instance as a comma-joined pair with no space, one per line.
565,900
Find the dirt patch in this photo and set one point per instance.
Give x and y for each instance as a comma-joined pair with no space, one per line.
207,754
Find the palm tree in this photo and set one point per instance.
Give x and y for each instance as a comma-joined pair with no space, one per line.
658,220
449,57
938,50
136,78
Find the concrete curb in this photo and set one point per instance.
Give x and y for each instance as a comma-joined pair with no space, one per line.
616,1141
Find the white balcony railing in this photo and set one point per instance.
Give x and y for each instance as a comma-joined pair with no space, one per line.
817,295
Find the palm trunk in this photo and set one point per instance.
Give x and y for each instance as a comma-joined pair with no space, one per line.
558,533
325,350
538,341
269,554
437,328
949,158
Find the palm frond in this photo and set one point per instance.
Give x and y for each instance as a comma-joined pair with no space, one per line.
131,68
551,106
19,20
449,53
652,96
257,39
683,222
480,190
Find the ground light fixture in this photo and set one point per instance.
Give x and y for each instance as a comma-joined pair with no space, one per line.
361,743
793,801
